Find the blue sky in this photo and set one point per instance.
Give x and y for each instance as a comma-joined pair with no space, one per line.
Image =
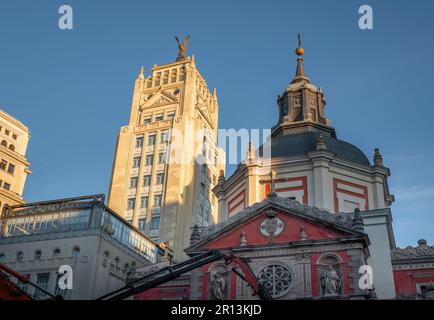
73,88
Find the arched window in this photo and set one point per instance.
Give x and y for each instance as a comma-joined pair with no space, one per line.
76,251
12,147
38,254
20,256
4,143
56,252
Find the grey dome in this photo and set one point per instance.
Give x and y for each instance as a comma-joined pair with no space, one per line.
302,143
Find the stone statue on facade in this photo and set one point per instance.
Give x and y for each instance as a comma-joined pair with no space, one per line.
217,286
330,282
182,48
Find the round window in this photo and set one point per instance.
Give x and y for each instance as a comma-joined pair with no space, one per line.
276,279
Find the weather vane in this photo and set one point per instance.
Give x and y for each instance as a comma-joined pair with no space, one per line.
299,51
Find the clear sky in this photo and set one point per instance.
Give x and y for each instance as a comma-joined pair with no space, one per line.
73,88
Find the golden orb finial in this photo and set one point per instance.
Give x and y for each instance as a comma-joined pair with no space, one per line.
299,51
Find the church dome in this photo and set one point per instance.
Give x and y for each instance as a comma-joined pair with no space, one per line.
300,144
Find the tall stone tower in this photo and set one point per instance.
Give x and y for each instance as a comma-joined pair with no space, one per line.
167,159
14,167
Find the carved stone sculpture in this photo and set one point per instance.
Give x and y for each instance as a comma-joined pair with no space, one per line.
217,286
330,282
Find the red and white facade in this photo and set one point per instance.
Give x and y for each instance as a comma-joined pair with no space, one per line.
292,261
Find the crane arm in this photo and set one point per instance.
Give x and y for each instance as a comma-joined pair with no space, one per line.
166,274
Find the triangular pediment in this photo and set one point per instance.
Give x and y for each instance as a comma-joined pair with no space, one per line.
205,112
273,223
159,98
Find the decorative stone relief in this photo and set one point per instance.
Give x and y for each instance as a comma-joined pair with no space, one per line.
271,226
243,239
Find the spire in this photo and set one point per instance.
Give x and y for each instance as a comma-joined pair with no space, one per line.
142,73
378,158
299,73
301,106
250,151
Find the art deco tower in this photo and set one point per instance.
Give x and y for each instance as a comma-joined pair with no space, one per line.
157,182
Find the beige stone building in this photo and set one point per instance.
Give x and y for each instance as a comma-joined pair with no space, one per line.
14,167
167,159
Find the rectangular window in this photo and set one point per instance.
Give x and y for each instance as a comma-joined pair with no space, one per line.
23,285
42,281
131,204
7,132
149,159
151,140
158,117
14,136
133,182
3,164
57,290
164,136
170,115
155,223
146,181
147,119
139,142
11,168
157,200
161,157
144,202
160,178
142,224
7,186
136,162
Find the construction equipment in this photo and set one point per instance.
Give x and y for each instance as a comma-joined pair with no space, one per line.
171,272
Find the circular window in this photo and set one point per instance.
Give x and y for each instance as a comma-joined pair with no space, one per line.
276,279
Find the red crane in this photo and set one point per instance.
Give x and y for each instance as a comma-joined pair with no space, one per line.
11,291
171,272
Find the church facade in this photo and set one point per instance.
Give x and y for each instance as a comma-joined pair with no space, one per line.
311,212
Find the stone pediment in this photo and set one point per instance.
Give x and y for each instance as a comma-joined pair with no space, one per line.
205,112
159,98
276,220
